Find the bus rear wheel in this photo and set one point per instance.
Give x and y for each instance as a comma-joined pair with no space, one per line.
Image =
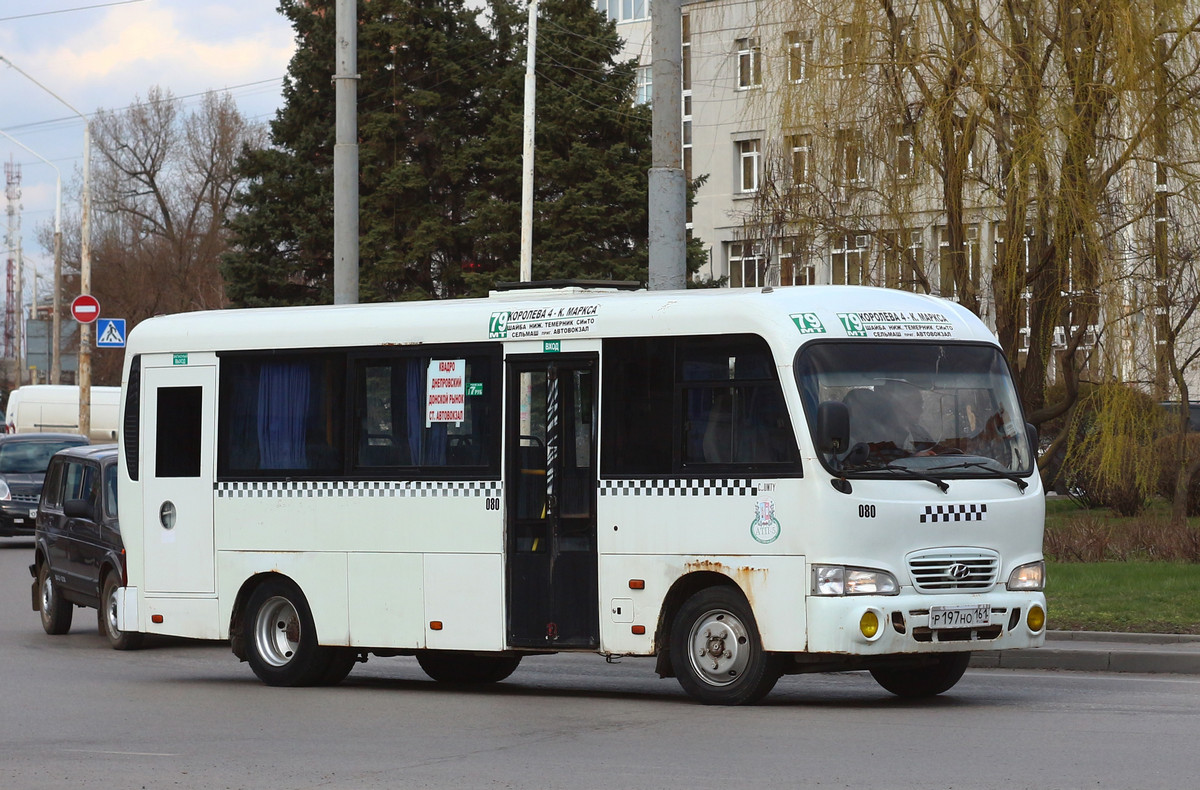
280,638
446,666
925,681
716,651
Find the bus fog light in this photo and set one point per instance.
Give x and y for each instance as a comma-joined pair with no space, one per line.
868,624
1036,619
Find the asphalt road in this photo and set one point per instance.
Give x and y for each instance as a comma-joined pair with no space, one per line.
188,715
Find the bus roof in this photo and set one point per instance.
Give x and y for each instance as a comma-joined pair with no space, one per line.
784,316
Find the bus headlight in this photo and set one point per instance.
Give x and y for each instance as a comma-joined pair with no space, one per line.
5,493
843,580
1028,578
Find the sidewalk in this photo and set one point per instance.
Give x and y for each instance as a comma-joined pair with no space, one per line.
1102,651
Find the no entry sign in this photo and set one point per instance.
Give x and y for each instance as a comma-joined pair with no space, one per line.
85,309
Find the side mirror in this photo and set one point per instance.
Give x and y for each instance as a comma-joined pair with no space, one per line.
77,508
833,427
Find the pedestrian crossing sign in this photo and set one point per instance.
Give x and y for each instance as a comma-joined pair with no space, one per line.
110,333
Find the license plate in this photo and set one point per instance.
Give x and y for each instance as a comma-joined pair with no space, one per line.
960,616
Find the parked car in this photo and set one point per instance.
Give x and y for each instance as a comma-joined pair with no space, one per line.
79,559
23,462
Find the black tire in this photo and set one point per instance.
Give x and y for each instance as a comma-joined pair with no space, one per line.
106,618
280,638
341,661
924,681
55,610
716,651
448,666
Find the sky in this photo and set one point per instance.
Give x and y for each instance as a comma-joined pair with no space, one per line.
105,54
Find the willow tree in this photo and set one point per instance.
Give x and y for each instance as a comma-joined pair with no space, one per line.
1040,120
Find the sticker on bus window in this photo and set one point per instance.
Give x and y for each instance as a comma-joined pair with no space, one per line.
765,527
445,391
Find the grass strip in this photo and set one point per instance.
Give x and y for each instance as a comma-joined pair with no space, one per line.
1147,597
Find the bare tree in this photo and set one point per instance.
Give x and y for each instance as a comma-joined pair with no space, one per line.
163,183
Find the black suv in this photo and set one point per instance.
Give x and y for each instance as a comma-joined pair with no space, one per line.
79,559
23,461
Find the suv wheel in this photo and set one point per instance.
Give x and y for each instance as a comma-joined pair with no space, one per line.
107,618
56,612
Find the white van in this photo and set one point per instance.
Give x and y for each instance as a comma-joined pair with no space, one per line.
54,408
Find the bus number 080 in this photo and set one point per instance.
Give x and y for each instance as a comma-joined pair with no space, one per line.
491,503
866,511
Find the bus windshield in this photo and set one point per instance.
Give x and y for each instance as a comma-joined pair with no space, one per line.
949,410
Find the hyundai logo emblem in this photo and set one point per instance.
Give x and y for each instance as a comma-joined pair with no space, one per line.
958,571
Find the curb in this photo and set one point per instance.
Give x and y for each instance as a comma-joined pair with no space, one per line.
1102,652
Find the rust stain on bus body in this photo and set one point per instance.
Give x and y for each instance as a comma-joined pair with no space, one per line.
748,579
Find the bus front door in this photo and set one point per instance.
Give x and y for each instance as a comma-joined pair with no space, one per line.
178,425
552,591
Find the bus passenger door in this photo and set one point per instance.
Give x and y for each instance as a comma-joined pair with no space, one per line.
550,493
177,435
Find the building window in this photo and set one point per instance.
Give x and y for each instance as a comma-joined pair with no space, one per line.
795,263
903,162
850,42
749,63
801,148
749,158
624,10
849,259
645,85
849,165
799,55
946,261
686,54
903,259
1025,242
747,264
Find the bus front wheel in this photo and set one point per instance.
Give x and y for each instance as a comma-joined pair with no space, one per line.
280,638
453,667
926,681
716,651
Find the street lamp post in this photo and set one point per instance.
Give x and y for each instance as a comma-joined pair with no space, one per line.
85,257
56,322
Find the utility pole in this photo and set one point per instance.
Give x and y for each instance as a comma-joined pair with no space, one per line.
12,191
85,256
668,187
56,302
527,146
345,156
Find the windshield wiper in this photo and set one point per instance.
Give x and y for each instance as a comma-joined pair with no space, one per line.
915,474
1013,476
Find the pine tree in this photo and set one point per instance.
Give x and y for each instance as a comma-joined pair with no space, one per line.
440,125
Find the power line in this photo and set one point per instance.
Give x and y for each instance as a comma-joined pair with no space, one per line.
69,10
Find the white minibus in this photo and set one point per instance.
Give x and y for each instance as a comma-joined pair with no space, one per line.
744,484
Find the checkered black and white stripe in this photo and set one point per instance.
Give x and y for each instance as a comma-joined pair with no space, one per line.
357,488
685,487
936,513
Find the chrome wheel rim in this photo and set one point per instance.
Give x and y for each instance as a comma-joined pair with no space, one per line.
110,612
277,631
719,647
47,594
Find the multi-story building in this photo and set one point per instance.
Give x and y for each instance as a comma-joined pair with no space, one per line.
800,118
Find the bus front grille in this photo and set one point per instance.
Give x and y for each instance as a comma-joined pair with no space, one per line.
953,570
